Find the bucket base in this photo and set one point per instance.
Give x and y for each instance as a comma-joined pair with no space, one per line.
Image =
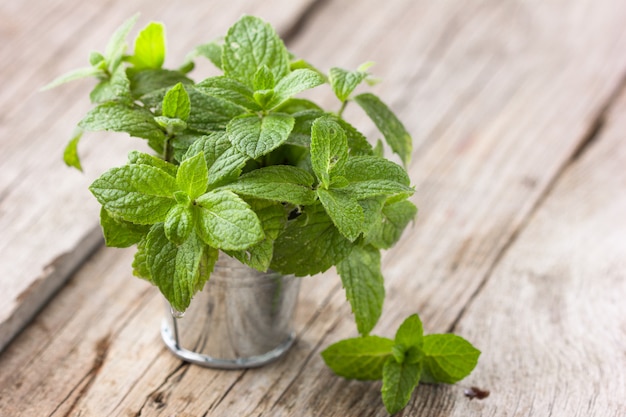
170,337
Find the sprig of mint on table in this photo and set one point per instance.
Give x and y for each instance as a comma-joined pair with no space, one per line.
242,166
403,362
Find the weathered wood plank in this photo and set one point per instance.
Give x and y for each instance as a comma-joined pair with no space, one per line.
551,320
47,217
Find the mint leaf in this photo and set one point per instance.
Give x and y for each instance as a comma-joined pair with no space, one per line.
399,381
208,113
193,176
149,47
149,85
410,333
212,51
178,224
176,270
294,105
114,88
294,83
176,103
360,358
119,117
70,154
371,176
250,44
119,233
140,158
230,90
281,183
448,358
226,222
140,265
272,216
139,194
309,244
389,125
116,47
329,149
301,133
224,161
263,79
344,210
363,281
256,136
76,74
344,82
357,142
395,217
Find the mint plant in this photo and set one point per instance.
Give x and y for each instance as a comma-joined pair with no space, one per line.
240,165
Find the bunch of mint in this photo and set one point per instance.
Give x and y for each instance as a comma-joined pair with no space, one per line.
242,166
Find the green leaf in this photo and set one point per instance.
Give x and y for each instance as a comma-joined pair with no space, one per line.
178,271
139,194
70,154
363,281
141,268
173,126
224,161
295,82
410,333
149,47
301,133
329,149
178,224
281,183
76,74
309,244
372,214
360,358
273,217
150,85
389,125
140,158
399,381
193,176
371,176
119,117
395,217
212,51
227,222
114,88
344,210
230,90
448,358
250,44
294,105
209,114
256,136
357,142
263,79
119,233
117,45
344,82
176,103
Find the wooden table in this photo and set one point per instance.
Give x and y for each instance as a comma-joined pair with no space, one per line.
518,111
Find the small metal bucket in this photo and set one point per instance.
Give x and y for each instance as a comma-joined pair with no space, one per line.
241,319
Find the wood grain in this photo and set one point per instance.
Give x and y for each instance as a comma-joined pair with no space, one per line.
47,217
504,99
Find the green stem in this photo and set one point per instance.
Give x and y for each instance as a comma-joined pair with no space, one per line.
343,107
